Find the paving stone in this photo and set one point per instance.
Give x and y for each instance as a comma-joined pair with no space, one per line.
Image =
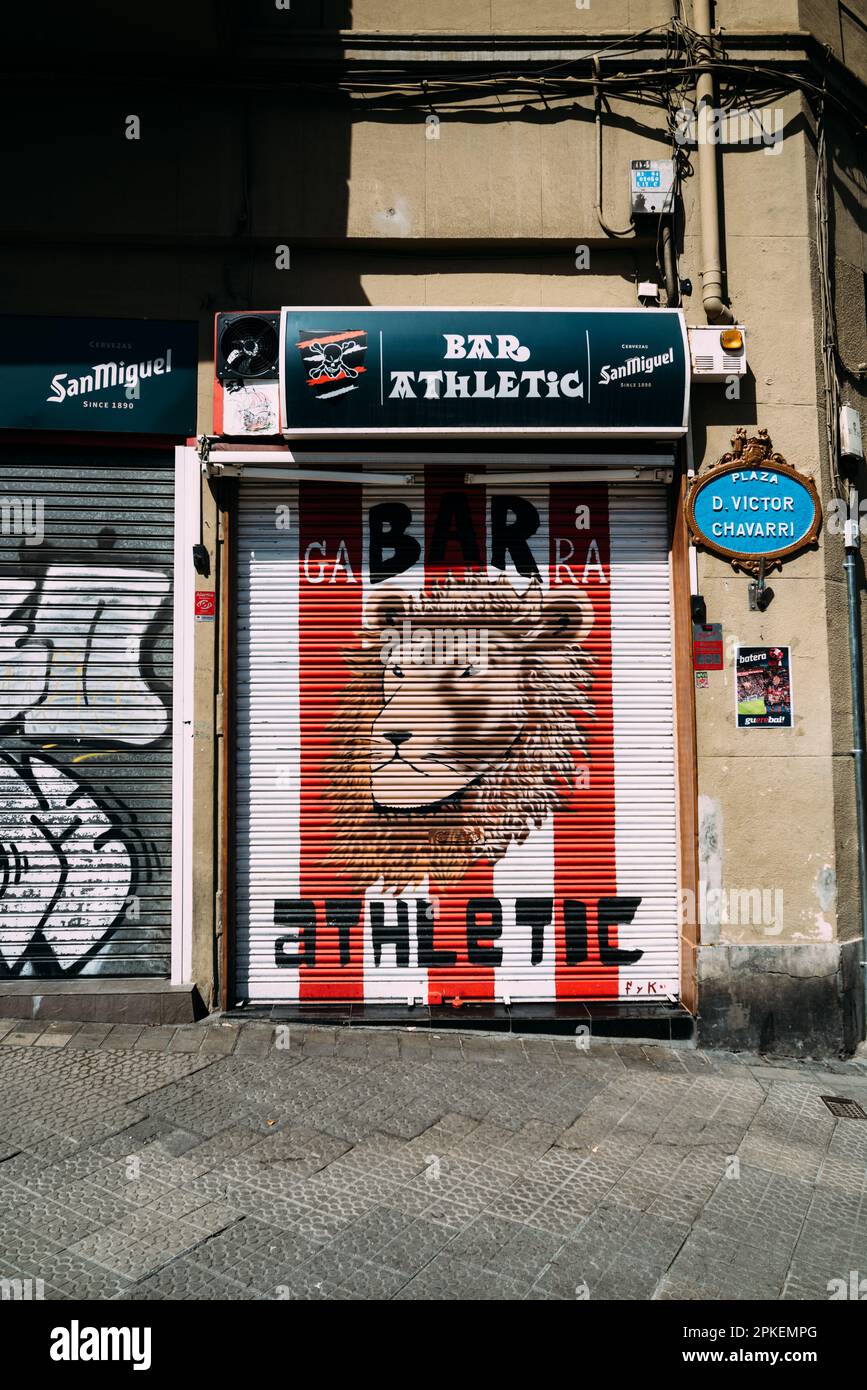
154,1039
129,1140
362,1164
447,1278
187,1040
352,1044
89,1035
415,1246
54,1221
117,1253
321,1041
303,1286
181,1279
23,1035
538,1050
77,1278
122,1035
56,1034
361,1278
219,1041
131,1183
254,1042
528,1253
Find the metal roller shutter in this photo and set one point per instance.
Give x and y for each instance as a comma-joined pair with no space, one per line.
86,553
463,790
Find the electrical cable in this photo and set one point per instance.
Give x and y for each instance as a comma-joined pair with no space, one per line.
597,107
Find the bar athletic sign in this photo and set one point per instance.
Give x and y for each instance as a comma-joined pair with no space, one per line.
357,371
752,507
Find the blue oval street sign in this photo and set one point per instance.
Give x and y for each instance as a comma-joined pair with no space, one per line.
750,513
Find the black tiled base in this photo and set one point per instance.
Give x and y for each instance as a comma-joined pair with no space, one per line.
664,1022
110,999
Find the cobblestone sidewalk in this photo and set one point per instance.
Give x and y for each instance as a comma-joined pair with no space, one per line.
252,1162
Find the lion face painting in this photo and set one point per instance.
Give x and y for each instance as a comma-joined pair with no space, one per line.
454,736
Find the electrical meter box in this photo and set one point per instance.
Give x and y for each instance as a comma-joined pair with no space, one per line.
651,184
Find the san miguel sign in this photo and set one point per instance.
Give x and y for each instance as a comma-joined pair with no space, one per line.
128,376
752,508
357,371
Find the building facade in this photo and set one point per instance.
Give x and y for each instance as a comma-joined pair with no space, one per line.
464,529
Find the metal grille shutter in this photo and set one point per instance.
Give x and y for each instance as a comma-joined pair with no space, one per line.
86,554
595,879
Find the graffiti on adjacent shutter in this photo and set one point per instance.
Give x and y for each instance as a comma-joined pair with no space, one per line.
72,690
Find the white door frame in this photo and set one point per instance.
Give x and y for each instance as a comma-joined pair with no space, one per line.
188,486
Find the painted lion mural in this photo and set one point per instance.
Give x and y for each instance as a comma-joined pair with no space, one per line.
454,736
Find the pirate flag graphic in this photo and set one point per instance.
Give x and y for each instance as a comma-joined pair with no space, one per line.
333,361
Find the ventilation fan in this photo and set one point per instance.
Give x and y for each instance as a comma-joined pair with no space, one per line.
247,371
247,347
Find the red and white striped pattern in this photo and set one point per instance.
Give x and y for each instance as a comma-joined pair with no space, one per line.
303,577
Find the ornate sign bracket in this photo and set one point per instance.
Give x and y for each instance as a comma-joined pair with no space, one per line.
754,454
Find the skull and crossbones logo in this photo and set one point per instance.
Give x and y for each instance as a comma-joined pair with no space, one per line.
328,359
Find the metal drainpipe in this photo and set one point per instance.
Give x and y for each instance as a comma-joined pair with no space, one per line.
856,666
715,309
672,289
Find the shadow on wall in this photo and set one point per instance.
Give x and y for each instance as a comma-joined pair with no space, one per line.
175,163
160,161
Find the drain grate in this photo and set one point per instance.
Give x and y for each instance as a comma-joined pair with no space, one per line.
844,1109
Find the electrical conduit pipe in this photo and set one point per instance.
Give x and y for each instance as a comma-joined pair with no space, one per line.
716,311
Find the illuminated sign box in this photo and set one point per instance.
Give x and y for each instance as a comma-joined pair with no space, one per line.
476,372
125,376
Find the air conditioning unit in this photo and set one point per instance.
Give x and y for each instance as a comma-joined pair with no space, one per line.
247,373
716,353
